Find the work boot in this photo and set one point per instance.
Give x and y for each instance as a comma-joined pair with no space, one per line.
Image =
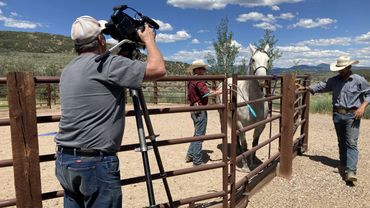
197,164
350,177
188,159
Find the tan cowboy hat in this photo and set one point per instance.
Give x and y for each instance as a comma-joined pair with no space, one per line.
342,62
197,64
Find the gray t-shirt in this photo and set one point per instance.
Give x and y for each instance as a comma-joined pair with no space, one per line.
93,101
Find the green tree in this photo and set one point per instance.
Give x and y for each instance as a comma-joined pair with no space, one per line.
226,51
274,53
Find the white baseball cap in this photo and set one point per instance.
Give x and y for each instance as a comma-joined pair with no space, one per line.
85,29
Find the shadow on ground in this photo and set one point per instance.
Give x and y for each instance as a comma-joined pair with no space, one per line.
323,159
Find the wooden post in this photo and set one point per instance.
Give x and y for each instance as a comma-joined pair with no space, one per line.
234,115
155,93
25,148
286,142
306,113
48,92
225,170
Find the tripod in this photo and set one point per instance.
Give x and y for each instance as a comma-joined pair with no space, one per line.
140,109
127,50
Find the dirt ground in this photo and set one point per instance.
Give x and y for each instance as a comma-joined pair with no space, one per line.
315,182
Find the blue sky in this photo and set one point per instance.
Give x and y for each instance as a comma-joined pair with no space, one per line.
309,31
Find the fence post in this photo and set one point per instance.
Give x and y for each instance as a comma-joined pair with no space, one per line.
225,170
286,142
306,113
48,91
234,116
155,92
23,126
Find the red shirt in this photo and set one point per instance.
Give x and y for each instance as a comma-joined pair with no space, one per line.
197,89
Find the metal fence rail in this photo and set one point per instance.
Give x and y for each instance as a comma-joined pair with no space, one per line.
23,122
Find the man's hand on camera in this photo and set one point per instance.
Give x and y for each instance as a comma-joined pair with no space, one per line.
146,35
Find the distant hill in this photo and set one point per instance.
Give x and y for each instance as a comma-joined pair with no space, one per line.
310,68
34,42
46,54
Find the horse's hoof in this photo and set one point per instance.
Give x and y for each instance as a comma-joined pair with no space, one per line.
245,169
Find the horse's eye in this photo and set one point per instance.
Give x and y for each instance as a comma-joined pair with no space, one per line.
252,60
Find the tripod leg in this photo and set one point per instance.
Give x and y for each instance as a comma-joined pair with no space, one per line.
152,137
143,146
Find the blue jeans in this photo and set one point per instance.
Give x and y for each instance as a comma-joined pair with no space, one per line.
89,181
200,127
347,128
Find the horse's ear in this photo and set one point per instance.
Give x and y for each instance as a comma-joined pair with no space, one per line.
253,49
267,47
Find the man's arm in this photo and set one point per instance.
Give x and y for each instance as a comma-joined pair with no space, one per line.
361,110
155,68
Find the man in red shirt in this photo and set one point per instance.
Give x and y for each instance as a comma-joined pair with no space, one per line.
198,94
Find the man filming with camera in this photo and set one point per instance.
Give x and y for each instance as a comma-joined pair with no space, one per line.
92,114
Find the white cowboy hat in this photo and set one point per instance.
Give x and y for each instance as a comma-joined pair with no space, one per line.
197,64
342,62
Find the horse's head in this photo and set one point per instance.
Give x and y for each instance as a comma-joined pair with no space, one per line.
259,62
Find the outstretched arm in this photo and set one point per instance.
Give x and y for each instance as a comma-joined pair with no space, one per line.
155,68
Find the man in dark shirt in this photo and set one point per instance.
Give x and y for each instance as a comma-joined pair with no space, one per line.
198,94
351,96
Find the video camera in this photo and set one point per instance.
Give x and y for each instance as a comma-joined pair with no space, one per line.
122,26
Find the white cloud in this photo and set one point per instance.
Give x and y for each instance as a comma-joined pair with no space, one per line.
343,41
189,56
16,23
286,16
236,44
310,23
163,26
364,38
267,21
14,14
296,49
275,8
220,4
267,26
170,38
203,31
254,16
195,41
24,24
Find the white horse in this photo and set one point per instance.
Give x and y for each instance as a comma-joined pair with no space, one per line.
251,90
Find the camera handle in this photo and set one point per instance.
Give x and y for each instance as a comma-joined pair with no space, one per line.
140,110
115,48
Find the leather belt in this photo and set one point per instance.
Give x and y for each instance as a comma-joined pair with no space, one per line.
83,152
344,110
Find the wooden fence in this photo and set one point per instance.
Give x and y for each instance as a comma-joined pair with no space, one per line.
291,114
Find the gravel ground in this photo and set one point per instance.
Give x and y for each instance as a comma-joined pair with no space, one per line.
316,181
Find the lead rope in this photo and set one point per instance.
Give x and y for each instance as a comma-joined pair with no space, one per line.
240,93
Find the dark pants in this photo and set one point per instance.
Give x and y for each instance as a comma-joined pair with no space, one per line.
89,181
347,128
200,127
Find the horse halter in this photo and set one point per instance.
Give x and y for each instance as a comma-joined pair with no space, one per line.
250,61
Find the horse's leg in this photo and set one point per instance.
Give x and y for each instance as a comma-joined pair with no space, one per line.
242,147
254,161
